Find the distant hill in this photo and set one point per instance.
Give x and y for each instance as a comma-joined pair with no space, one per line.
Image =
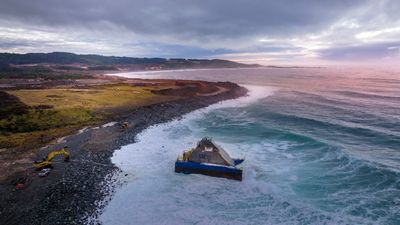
65,58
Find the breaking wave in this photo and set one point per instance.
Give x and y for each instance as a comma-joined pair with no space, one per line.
311,158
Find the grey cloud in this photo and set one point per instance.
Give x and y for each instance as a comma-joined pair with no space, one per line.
385,10
202,20
13,44
201,28
362,52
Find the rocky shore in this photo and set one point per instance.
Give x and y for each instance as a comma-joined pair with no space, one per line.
75,192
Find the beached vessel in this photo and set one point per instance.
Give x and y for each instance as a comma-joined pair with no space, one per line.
209,159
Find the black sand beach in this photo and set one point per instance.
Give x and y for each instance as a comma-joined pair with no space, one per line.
75,192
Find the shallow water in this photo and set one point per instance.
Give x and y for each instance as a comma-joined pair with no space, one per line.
322,146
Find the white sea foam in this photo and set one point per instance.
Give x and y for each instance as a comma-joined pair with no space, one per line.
291,175
110,124
255,93
149,74
157,192
157,195
152,73
175,126
160,196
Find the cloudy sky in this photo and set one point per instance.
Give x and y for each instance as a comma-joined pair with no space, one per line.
270,32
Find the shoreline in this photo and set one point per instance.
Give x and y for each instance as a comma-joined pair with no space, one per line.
73,192
121,73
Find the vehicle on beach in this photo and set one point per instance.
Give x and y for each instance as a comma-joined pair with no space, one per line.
209,159
44,172
46,161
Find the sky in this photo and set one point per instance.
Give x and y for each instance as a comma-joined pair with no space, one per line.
279,32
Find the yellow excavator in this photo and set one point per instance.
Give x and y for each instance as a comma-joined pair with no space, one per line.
46,162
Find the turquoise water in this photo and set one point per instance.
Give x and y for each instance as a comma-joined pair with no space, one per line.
321,146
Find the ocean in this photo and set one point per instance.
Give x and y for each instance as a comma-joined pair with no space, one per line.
322,146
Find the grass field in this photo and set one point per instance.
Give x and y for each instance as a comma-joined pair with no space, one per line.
59,111
100,97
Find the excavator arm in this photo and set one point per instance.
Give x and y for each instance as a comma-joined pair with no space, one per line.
52,154
46,162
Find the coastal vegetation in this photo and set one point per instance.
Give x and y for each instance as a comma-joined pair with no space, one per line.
8,61
47,96
37,115
43,72
70,66
61,99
